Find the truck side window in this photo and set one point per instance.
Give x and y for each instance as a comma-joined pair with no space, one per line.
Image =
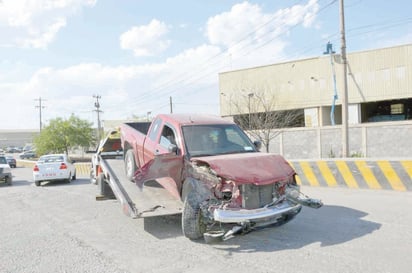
167,137
154,129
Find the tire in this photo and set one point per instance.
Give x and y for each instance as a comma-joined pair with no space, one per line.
130,165
104,188
9,180
74,176
37,183
193,225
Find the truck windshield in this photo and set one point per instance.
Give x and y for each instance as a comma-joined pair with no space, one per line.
207,140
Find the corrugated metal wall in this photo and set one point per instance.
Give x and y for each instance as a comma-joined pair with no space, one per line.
373,75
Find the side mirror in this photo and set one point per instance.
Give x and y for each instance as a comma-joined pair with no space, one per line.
258,144
172,148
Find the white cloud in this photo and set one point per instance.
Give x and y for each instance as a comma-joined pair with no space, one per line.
252,37
36,23
191,77
146,40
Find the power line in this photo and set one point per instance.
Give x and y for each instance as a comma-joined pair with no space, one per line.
183,78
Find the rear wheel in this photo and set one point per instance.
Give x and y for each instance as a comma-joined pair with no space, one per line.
130,165
193,224
37,183
104,189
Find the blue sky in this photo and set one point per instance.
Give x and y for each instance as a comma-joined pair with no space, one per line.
136,54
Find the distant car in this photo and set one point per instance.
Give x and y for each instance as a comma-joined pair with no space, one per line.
5,171
27,155
12,149
12,161
54,167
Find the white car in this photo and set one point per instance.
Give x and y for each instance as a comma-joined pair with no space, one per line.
54,167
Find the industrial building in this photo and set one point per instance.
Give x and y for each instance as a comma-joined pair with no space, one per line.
379,84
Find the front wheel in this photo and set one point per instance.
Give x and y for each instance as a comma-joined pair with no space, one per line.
193,224
130,165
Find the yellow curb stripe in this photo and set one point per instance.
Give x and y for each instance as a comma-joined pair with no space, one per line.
326,173
307,170
82,168
346,174
391,175
407,165
368,175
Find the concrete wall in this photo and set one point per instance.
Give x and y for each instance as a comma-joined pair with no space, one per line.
371,140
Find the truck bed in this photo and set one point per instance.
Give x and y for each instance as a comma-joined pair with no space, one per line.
152,200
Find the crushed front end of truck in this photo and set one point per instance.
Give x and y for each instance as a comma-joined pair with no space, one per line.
246,191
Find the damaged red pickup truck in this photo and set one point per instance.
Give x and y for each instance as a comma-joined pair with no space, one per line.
217,174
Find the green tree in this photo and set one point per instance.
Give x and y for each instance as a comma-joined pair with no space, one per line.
63,134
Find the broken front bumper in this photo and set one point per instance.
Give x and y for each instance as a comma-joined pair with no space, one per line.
265,214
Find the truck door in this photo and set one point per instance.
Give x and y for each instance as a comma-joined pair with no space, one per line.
150,142
159,140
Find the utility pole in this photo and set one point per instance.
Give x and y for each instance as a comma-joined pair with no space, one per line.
97,105
345,133
40,106
171,105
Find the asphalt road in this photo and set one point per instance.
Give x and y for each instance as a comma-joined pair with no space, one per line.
61,228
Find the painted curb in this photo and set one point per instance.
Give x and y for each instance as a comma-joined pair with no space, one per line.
366,174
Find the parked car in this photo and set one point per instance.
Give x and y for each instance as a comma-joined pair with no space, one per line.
54,167
5,171
27,155
12,161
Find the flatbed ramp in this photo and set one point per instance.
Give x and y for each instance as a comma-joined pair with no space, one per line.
149,201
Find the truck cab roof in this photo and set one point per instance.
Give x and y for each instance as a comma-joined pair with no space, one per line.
189,119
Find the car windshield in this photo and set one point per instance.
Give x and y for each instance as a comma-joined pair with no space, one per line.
3,160
50,159
208,140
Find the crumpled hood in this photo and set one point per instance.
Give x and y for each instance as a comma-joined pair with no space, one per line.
249,168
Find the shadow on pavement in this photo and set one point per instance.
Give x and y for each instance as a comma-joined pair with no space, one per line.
78,181
329,225
163,227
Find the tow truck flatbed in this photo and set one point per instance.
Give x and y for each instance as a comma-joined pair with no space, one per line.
151,200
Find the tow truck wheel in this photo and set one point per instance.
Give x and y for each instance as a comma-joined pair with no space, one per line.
130,165
69,179
193,225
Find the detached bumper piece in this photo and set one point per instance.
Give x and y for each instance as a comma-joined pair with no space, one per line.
266,214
